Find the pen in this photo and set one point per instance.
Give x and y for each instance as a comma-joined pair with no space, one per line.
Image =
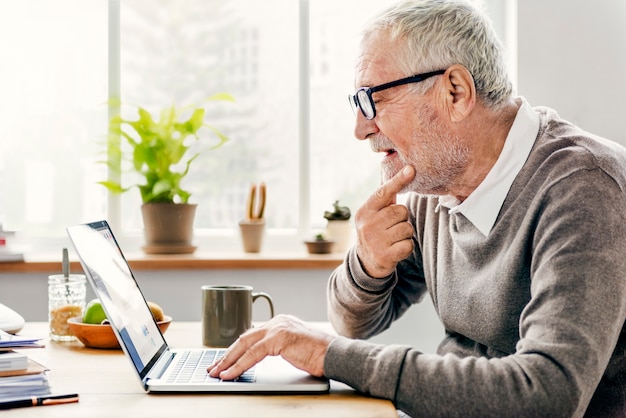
39,401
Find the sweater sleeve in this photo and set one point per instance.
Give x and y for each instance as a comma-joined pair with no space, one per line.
360,306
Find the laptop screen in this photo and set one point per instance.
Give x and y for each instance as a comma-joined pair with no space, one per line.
115,286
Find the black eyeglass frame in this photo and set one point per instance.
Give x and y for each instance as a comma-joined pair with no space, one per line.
356,103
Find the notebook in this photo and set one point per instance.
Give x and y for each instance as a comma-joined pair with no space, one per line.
160,368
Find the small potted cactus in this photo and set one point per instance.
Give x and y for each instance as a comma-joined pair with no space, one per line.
339,227
253,226
319,245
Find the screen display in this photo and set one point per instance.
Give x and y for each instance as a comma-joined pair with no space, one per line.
117,289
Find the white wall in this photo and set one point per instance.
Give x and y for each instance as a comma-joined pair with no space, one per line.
572,57
298,292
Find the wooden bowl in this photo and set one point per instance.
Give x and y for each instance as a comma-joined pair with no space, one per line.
102,336
319,247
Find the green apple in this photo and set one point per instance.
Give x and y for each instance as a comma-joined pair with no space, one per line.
94,312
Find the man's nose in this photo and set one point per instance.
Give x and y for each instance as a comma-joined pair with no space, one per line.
363,127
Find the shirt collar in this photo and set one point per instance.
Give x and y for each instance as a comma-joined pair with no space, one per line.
482,206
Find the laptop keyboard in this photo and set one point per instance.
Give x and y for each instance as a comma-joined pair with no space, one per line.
191,367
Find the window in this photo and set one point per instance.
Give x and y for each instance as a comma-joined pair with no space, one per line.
288,64
53,80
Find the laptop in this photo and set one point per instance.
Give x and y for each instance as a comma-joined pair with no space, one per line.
160,368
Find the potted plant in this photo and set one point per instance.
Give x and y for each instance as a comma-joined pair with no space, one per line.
319,245
160,151
252,227
338,227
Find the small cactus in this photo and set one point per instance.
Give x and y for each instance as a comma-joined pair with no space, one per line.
340,213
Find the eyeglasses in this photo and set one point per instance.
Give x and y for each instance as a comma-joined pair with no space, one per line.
362,99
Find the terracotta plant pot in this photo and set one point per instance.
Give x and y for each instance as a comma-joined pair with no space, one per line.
168,227
252,232
319,247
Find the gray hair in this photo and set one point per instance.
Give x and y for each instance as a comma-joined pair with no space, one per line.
435,34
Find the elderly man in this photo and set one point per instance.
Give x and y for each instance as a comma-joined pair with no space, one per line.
516,230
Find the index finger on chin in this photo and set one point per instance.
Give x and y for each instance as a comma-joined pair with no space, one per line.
385,195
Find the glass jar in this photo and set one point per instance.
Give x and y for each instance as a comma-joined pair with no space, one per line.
66,299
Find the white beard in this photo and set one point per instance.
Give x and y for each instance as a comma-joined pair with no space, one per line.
438,157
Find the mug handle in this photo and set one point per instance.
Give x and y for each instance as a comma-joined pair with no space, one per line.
267,297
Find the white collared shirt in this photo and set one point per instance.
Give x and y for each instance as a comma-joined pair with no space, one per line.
482,206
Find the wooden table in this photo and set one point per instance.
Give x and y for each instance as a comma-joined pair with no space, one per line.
108,387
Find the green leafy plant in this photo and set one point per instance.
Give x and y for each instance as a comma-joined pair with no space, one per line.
160,150
340,213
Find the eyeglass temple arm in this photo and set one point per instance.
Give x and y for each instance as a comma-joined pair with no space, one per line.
412,79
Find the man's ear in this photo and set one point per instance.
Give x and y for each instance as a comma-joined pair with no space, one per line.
459,92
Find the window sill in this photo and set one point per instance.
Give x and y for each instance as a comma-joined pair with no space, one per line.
198,261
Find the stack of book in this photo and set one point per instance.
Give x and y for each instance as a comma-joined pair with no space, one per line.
8,253
10,256
20,376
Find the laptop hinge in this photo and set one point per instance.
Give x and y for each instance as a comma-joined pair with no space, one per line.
159,368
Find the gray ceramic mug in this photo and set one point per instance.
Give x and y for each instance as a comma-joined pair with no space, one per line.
227,313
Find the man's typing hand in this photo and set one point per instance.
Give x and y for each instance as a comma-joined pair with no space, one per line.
284,335
384,235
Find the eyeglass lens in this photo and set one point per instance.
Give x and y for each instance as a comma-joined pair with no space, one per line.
365,103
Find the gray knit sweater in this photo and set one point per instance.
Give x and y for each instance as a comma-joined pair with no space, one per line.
534,313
